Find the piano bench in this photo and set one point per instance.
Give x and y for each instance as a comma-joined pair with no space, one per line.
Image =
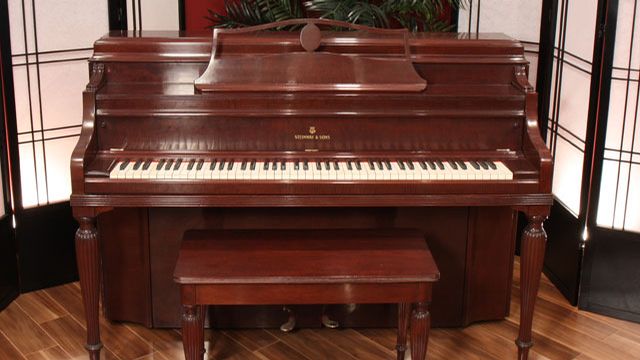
262,267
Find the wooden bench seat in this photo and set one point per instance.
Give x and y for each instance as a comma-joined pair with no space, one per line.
260,267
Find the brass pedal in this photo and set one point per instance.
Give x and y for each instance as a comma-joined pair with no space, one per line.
291,322
327,321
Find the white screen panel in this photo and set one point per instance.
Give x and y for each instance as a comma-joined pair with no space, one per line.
18,37
567,173
625,23
519,19
580,27
21,89
574,102
50,72
58,155
620,182
570,91
28,176
84,22
153,15
632,218
61,85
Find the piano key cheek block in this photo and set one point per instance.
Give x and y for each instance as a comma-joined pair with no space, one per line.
314,118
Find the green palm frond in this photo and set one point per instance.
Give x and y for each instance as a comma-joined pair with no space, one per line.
353,11
415,15
241,13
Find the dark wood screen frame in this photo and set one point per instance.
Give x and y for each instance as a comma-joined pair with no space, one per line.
9,286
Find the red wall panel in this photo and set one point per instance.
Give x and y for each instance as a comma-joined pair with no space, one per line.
196,10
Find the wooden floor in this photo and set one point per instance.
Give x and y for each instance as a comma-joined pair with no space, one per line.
48,324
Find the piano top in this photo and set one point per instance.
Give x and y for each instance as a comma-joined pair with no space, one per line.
174,46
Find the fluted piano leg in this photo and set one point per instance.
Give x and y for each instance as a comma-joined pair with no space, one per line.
193,331
420,326
532,251
88,258
404,313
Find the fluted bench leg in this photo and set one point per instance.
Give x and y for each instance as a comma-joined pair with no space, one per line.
420,326
193,331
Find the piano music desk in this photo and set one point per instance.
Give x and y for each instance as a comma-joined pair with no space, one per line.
255,267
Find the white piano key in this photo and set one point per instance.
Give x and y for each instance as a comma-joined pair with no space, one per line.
181,172
202,173
504,171
122,174
342,169
113,174
470,172
145,174
415,174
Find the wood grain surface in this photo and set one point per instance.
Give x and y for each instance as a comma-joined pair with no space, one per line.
49,324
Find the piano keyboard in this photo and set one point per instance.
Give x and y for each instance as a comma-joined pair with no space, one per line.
344,169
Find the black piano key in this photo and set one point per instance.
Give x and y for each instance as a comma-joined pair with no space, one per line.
230,165
318,166
453,164
410,164
423,165
484,165
222,163
431,164
266,165
177,164
283,165
492,165
253,165
440,164
305,166
200,164
213,164
243,167
462,165
358,165
274,166
387,163
336,166
160,164
192,163
124,164
371,166
146,165
296,166
401,164
349,165
137,164
475,164
327,165
168,165
379,163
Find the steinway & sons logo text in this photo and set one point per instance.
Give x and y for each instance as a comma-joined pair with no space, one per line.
312,135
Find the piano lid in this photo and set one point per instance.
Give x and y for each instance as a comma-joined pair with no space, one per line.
306,67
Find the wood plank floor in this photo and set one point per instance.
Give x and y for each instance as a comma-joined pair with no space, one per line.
48,324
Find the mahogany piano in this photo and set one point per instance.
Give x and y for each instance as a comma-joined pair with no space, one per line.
311,129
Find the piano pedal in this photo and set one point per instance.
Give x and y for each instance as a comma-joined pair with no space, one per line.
351,308
327,321
291,322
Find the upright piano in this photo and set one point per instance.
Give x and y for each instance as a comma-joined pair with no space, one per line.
310,128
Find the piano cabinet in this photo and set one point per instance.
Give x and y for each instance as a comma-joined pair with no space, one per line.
474,247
